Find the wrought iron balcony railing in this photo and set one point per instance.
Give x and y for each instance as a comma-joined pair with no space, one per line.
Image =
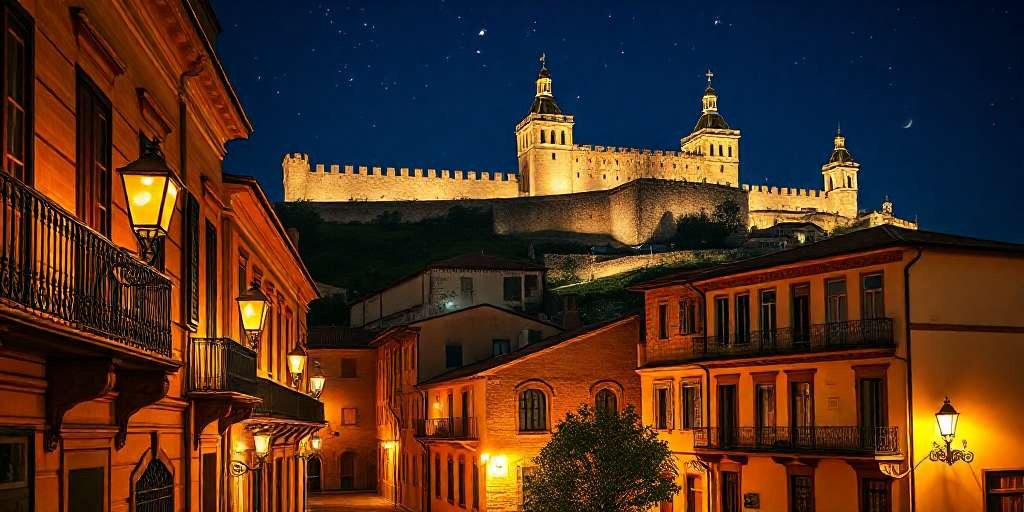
853,334
221,364
830,440
447,428
56,266
285,403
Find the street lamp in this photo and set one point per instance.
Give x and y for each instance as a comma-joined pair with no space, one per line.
253,306
317,379
947,418
152,190
314,445
261,445
296,363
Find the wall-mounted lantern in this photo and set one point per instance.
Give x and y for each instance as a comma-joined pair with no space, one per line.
314,449
253,306
261,445
296,364
152,191
947,417
317,379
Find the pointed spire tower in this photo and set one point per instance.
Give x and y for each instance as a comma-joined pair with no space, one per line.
544,143
839,174
717,143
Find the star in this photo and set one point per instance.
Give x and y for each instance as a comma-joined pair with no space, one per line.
482,32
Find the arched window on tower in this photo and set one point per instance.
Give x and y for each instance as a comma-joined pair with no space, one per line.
543,137
553,137
730,151
720,153
563,137
830,182
711,149
849,182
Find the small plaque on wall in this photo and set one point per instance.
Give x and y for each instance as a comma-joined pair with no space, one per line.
752,500
833,403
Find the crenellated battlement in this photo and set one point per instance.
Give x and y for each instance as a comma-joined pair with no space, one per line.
635,151
413,172
785,191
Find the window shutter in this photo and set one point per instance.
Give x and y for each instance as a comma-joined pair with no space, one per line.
190,263
696,407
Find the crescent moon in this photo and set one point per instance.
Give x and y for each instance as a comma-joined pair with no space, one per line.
910,122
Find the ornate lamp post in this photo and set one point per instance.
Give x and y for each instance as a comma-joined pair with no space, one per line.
261,445
253,306
296,364
152,190
947,418
317,379
314,449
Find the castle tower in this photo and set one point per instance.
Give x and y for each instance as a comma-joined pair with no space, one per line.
716,141
296,174
544,143
840,178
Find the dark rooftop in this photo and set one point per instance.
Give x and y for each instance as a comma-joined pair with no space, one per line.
879,237
330,336
840,155
545,105
712,120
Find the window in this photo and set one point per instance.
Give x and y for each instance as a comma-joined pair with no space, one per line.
93,150
719,150
722,320
711,149
476,485
349,416
500,346
211,279
466,286
743,318
690,398
452,356
876,495
15,479
563,137
437,476
155,488
451,480
605,402
18,85
872,293
767,319
531,284
533,411
801,493
693,493
1004,491
543,137
462,482
348,368
730,151
553,155
190,262
662,321
513,289
835,300
731,501
533,335
764,405
663,406
801,314
849,182
687,317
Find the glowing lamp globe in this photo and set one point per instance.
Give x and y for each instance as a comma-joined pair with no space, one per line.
947,418
261,444
152,191
253,306
296,363
315,442
317,380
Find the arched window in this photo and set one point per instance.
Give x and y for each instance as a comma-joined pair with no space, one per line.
553,155
563,137
552,136
605,402
730,151
720,153
543,137
533,411
155,489
712,149
830,182
849,182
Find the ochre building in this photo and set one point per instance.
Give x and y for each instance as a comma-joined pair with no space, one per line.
552,163
126,382
810,379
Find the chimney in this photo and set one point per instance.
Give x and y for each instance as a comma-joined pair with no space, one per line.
570,315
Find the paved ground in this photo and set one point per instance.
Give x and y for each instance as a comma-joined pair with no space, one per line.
347,502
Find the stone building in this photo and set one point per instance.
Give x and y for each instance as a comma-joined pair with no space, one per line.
552,163
451,284
809,379
125,380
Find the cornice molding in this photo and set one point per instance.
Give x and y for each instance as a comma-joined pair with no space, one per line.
93,45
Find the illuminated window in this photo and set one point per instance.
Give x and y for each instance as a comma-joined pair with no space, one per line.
17,92
533,411
663,405
349,416
690,402
872,303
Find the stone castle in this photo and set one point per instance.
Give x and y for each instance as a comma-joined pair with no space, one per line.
553,166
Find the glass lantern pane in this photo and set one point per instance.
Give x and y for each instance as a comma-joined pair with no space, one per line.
144,193
168,209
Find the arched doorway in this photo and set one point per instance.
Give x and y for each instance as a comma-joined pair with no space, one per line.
154,491
313,474
348,471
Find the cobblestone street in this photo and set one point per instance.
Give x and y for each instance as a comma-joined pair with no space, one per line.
348,502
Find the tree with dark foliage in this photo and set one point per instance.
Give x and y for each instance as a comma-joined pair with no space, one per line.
601,462
703,231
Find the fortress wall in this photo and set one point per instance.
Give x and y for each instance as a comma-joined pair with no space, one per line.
371,183
660,204
586,213
606,167
408,211
764,197
587,267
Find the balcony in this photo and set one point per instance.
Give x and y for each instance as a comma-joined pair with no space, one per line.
285,403
59,269
221,365
447,428
857,441
850,335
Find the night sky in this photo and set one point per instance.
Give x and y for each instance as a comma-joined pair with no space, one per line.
930,98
